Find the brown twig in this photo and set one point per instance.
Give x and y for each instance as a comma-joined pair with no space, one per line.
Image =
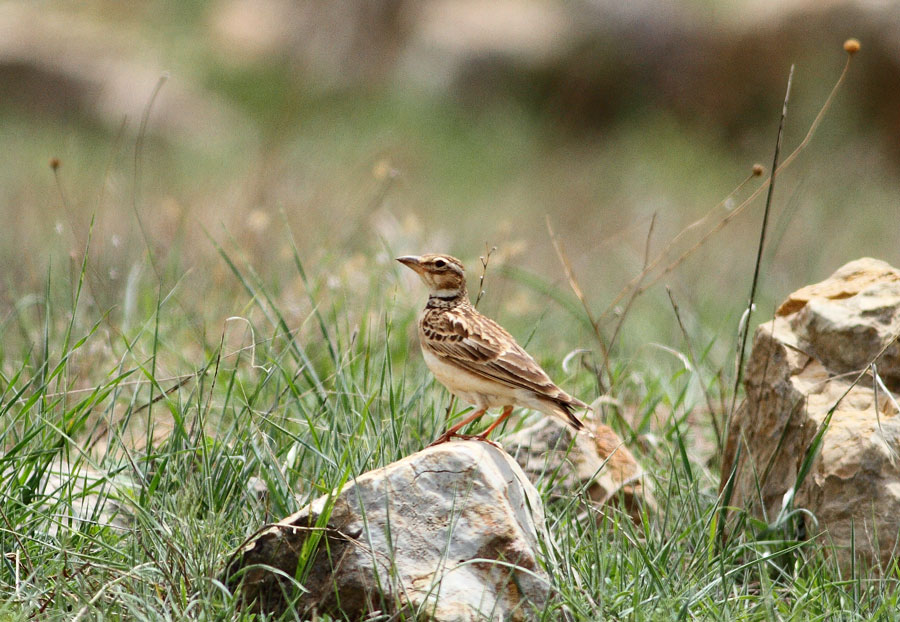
733,213
187,378
576,288
693,359
634,293
649,267
485,259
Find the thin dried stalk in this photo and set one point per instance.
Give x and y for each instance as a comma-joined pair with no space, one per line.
732,214
576,288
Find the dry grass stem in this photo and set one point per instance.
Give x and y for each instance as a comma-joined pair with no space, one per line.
485,260
576,288
692,357
631,299
762,241
649,267
732,214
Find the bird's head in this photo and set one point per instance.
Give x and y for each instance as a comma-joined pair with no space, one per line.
444,275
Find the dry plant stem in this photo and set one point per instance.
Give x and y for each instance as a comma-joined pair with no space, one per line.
624,314
375,203
12,530
116,145
187,378
485,260
649,267
719,226
573,283
66,205
693,359
759,251
83,243
817,120
649,237
734,213
861,374
138,150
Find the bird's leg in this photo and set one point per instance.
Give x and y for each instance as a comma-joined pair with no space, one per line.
507,411
446,436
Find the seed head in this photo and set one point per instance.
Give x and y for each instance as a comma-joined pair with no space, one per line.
758,170
54,163
383,170
851,46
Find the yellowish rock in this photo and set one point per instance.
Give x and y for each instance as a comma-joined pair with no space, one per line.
803,364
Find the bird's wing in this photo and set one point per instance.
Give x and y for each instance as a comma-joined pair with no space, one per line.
482,347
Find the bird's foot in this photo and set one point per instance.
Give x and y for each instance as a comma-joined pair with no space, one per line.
445,438
484,439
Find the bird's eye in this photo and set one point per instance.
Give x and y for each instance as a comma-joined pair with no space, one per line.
440,263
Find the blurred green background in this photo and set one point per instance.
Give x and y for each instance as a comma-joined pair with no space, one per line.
385,127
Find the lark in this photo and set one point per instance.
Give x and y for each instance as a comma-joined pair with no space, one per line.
475,358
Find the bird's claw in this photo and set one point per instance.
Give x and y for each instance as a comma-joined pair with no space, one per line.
485,439
445,438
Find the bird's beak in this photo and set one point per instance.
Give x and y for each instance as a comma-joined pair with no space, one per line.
411,261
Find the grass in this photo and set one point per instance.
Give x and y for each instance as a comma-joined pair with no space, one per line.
132,470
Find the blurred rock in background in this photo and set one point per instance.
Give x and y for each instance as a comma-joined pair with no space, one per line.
57,63
588,62
591,62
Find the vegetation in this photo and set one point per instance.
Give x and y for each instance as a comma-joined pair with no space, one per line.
175,373
123,499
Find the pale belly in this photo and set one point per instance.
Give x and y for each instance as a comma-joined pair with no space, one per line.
475,390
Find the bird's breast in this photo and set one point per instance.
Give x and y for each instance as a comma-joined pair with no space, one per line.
469,387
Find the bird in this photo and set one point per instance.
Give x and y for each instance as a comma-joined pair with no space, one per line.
475,358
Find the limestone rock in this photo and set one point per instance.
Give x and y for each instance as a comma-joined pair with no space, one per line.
803,361
849,318
603,465
450,533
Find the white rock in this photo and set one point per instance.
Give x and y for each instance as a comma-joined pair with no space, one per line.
450,533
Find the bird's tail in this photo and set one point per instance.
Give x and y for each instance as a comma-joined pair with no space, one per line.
568,410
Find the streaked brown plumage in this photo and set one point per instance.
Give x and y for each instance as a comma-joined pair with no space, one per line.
474,357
